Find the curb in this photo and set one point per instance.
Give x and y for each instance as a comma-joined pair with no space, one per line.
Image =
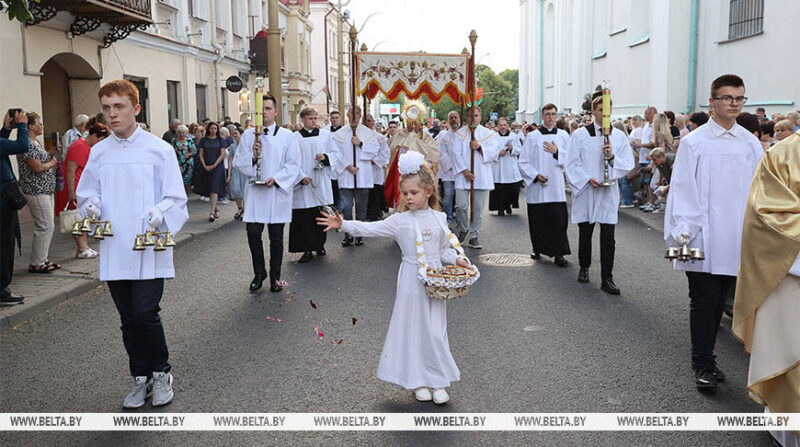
77,288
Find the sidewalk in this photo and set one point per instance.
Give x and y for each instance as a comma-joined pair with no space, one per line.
78,276
653,221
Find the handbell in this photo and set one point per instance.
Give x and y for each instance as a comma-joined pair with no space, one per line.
107,230
685,254
697,254
148,239
76,228
138,244
86,227
159,245
672,253
169,240
98,233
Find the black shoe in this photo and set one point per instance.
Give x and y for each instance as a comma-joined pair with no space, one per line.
608,286
347,241
462,236
728,310
473,243
560,261
500,212
274,287
307,256
508,210
322,252
536,256
718,374
9,298
704,378
257,281
359,241
583,275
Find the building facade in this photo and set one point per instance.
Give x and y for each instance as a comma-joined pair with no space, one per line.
656,53
325,54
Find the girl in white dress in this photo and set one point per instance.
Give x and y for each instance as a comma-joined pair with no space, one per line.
416,353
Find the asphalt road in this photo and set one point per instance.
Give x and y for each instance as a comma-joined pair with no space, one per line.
527,339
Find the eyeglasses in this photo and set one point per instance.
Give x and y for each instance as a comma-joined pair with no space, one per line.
730,99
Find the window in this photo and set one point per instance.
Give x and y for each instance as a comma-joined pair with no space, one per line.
199,9
223,14
172,100
200,97
141,85
238,12
746,18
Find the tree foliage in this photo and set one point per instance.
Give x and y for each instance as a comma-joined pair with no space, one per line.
17,9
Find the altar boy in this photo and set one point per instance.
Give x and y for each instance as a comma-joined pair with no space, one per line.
132,179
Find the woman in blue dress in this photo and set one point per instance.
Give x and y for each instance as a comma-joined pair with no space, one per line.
212,153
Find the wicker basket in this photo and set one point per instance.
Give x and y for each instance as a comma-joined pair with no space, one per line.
450,281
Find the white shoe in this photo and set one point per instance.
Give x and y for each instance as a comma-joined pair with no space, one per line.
423,394
659,210
162,388
87,254
440,396
142,389
224,201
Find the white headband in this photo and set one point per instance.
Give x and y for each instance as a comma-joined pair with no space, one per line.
410,162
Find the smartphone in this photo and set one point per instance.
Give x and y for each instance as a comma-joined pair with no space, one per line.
13,112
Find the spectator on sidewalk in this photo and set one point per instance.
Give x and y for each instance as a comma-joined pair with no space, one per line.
185,151
235,179
212,152
75,161
9,224
751,123
767,134
698,119
662,161
225,134
783,129
78,131
37,180
172,132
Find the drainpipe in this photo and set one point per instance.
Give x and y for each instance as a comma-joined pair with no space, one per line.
541,58
220,55
692,59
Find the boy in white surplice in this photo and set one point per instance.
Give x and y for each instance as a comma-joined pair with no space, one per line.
416,353
132,179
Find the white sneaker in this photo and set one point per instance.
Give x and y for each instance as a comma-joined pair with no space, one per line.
648,208
658,210
204,198
440,396
423,394
224,201
162,388
142,389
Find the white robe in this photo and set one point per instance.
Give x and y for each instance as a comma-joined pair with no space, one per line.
280,159
370,146
129,177
303,196
416,351
445,141
708,195
506,168
484,178
380,161
534,160
585,161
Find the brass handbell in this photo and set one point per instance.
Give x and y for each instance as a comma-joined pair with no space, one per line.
107,230
148,238
76,228
169,240
98,233
159,245
86,227
138,244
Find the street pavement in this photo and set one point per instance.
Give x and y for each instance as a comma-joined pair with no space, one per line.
526,339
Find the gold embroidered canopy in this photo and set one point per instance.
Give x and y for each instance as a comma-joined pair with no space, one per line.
413,74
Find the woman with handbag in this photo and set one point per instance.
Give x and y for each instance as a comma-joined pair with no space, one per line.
75,160
37,180
11,200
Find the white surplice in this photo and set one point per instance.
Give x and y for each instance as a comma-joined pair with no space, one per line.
484,178
322,194
585,161
535,160
708,194
380,161
130,176
506,168
365,153
446,167
280,160
416,351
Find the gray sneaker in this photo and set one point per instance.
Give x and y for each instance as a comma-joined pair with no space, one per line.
142,389
162,388
473,243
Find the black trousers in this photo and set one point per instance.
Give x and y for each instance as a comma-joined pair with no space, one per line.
707,295
607,244
142,332
8,226
335,187
254,232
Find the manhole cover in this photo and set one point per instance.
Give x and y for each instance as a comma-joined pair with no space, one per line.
506,259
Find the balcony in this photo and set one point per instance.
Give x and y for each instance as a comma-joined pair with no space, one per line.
123,16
